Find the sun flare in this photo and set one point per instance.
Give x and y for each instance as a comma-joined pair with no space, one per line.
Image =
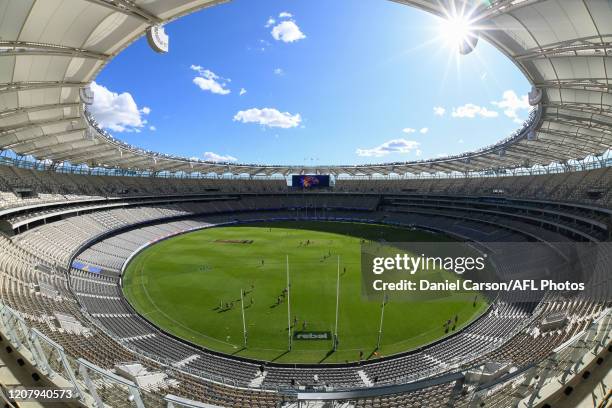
458,33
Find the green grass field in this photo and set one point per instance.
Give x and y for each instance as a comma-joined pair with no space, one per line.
180,284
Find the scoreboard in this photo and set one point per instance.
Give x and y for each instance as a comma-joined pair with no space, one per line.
305,181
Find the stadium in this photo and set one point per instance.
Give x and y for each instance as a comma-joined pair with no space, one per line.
135,278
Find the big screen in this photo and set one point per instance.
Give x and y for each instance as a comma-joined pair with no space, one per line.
310,181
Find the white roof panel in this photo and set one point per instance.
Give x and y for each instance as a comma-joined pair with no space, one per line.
13,15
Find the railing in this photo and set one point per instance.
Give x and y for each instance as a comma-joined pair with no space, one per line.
89,384
97,387
547,377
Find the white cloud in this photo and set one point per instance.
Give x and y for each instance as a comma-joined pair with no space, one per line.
279,72
152,128
269,117
214,157
209,81
511,104
287,31
242,91
408,130
439,110
470,110
391,146
424,130
285,14
270,22
210,85
117,112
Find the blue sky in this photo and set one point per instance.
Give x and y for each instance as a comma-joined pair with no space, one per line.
310,82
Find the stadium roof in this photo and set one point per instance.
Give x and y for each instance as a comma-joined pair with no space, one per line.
50,50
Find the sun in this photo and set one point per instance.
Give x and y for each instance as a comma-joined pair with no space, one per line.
458,32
